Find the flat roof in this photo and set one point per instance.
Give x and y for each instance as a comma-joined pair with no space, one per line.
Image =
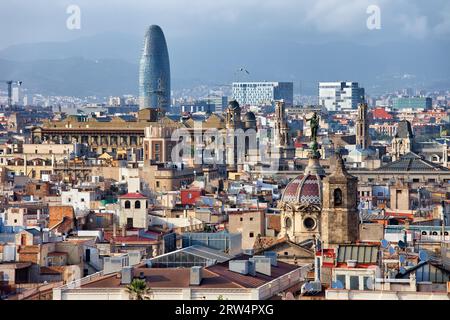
216,276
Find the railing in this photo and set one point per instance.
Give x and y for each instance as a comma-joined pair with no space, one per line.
79,282
39,289
284,282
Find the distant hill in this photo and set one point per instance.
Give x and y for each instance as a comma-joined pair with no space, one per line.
74,76
107,64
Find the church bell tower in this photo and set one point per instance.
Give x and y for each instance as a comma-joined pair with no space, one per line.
340,222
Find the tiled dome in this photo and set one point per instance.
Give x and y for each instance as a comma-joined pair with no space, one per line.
304,189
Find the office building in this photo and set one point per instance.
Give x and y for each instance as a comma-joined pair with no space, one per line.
337,96
412,103
217,103
154,71
16,95
262,93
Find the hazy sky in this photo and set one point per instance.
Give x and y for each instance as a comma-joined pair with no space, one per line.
24,21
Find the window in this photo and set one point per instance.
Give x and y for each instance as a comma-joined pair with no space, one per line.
251,235
341,279
127,204
309,223
288,222
130,222
354,283
251,219
241,219
337,195
38,187
157,184
286,253
82,199
366,281
137,204
15,220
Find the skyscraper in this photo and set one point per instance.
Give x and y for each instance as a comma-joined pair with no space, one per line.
338,96
154,71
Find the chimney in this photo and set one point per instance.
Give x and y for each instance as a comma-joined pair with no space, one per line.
262,264
126,275
195,277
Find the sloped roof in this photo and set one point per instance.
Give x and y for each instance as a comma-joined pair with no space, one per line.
412,162
404,130
135,195
363,254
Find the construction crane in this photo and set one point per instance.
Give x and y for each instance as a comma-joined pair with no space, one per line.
10,83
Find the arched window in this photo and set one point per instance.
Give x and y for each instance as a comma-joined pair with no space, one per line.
137,204
337,195
127,204
288,222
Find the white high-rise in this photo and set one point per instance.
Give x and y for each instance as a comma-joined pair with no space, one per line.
16,95
262,93
337,96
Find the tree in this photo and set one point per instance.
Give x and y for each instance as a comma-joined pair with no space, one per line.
138,290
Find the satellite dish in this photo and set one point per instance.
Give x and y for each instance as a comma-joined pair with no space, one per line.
402,259
401,244
337,285
384,243
289,296
402,270
423,255
391,250
369,283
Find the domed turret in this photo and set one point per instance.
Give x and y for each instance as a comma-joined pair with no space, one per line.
233,105
304,189
250,120
233,115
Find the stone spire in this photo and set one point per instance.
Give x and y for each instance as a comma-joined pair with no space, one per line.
339,169
339,218
314,166
362,127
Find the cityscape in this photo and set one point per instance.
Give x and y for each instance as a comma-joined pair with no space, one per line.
250,188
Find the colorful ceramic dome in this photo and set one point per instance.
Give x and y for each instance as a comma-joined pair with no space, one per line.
304,189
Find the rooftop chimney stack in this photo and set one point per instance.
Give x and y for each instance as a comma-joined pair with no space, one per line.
195,276
127,275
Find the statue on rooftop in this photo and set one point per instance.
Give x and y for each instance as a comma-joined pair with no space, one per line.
314,125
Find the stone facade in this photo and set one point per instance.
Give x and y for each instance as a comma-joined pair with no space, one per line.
340,223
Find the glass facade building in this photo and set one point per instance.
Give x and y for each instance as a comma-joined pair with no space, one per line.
262,93
338,96
412,103
230,243
154,71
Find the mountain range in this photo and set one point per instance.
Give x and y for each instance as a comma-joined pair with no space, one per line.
107,64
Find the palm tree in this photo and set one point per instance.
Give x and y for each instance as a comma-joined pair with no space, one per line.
138,289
